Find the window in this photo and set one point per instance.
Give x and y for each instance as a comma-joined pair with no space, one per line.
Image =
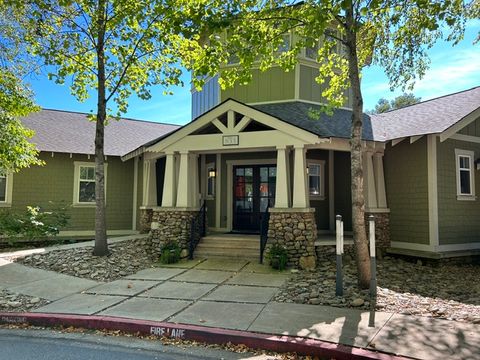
6,188
285,46
311,52
84,186
465,174
316,179
3,188
211,174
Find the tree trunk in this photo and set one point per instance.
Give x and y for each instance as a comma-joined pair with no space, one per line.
358,200
101,246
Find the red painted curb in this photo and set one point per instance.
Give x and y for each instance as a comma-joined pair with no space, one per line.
299,345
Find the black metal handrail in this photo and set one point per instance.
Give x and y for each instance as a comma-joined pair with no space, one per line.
264,233
198,229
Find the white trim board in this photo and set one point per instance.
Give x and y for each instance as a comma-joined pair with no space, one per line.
411,246
458,247
432,190
467,138
465,121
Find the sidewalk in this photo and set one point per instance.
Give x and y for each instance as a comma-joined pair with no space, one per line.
237,295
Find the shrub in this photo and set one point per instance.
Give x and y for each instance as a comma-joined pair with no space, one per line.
170,253
277,256
33,223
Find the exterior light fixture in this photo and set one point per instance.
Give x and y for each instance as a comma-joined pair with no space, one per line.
211,173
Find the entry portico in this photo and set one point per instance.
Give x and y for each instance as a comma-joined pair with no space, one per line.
241,161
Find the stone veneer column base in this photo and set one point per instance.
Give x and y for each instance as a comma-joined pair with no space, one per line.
382,228
145,220
171,225
296,230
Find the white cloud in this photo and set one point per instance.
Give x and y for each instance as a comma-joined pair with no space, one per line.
460,70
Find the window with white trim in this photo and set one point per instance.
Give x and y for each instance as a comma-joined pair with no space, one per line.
285,45
465,174
311,52
3,188
316,179
84,186
211,180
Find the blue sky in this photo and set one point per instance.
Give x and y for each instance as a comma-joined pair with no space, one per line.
452,69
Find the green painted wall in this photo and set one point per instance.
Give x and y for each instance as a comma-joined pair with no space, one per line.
407,191
309,88
473,129
271,85
54,182
211,204
458,219
342,191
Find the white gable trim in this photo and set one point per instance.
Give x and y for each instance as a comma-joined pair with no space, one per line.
296,134
465,121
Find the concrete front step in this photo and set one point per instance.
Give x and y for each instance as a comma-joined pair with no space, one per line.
210,255
229,246
230,242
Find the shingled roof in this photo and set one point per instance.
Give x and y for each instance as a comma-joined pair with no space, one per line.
310,117
428,117
71,132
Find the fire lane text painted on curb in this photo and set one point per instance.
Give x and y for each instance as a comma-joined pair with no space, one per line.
13,319
169,332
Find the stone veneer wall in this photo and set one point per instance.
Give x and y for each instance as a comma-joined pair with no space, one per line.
171,225
297,232
145,220
382,229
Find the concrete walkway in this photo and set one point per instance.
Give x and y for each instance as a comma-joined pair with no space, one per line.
236,294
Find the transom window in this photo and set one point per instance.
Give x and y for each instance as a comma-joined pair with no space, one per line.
3,188
465,174
316,179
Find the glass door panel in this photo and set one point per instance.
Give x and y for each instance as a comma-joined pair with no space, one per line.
254,192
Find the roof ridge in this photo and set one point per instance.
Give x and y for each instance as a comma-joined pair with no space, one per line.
123,118
425,101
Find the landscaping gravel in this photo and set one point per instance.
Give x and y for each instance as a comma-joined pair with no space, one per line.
409,287
125,258
11,302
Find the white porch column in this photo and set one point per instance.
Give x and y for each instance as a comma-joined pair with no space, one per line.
183,191
300,193
369,181
281,187
194,181
380,180
168,199
149,183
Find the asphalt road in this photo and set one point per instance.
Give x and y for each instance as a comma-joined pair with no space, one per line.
52,345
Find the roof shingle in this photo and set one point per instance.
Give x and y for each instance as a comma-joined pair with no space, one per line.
71,132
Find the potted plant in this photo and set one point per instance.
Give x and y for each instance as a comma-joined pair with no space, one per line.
277,256
170,253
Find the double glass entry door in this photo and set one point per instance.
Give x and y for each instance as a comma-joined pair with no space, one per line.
253,193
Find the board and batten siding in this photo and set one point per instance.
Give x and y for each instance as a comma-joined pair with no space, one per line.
38,185
458,220
406,180
271,85
207,98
